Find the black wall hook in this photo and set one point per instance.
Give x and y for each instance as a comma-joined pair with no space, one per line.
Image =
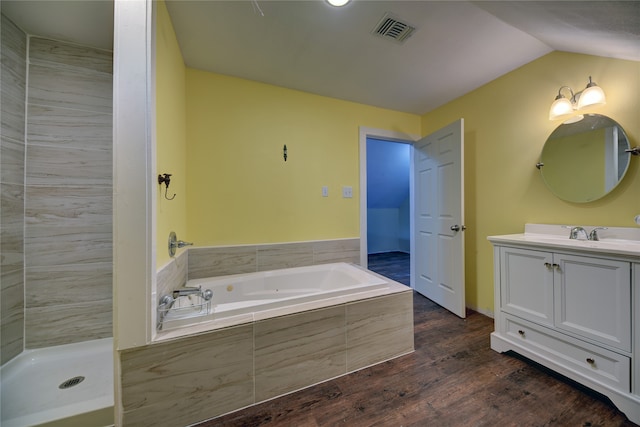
166,179
284,152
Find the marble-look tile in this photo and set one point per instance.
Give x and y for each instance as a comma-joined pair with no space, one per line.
65,324
341,250
11,313
13,59
172,276
11,292
68,166
52,245
63,284
296,351
12,114
11,336
46,51
70,88
188,380
61,127
11,248
11,161
67,206
221,261
379,329
286,255
12,206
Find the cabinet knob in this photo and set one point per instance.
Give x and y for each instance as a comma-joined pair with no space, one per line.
590,361
521,332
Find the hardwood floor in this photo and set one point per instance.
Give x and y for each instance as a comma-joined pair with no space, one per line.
452,379
394,265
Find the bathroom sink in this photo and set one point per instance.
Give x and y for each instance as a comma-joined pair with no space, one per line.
624,241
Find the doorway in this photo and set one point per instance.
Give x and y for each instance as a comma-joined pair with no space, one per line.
388,209
394,248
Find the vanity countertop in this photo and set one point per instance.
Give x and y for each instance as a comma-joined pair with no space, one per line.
613,240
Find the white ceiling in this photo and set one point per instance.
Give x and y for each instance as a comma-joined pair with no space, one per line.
313,47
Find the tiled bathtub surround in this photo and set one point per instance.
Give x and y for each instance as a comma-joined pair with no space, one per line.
199,262
222,261
198,377
68,197
13,51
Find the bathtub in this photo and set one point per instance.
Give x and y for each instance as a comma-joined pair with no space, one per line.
265,335
255,296
31,386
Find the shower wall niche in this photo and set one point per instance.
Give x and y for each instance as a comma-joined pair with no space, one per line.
67,196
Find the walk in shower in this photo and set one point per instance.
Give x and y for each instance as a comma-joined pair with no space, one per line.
56,216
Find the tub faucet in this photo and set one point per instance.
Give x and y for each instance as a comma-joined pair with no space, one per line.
206,294
576,232
187,291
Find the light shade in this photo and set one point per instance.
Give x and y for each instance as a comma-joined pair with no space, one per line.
592,95
563,107
338,3
560,108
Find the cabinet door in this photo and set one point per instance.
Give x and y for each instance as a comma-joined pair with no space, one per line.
593,299
526,279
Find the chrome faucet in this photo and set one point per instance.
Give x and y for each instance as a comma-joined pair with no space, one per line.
594,233
207,294
186,291
576,232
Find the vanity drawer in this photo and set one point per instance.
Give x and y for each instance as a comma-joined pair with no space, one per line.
597,363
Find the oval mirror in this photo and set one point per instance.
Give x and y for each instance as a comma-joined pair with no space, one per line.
584,161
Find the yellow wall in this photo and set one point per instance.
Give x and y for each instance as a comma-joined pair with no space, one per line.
574,165
171,134
506,125
240,188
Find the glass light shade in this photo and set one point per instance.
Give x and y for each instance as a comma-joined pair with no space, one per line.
338,3
573,119
560,108
592,95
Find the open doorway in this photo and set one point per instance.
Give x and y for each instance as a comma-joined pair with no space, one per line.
380,243
388,209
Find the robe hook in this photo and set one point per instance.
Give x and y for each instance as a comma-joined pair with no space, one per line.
166,179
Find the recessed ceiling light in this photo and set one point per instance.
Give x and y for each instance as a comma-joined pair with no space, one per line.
338,3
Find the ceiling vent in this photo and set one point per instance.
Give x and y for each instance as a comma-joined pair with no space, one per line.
390,27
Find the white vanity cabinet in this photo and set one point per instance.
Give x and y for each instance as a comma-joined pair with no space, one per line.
570,306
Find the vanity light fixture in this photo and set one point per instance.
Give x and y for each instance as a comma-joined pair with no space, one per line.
563,108
338,3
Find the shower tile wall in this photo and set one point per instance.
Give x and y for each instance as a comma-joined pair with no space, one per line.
68,194
12,104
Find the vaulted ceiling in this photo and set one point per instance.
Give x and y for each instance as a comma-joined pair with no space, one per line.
456,47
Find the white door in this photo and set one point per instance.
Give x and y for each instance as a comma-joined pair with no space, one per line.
439,217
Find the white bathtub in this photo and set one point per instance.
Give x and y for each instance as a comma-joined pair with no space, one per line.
30,386
303,287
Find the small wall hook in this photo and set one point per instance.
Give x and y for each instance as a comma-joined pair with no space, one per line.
166,179
284,152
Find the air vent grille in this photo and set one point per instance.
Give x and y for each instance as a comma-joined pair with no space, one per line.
392,28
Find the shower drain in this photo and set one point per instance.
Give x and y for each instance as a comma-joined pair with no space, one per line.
71,382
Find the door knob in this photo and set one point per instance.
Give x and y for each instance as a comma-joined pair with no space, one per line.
458,227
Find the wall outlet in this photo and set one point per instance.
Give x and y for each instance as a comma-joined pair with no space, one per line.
347,192
325,191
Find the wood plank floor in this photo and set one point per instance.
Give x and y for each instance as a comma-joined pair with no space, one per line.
394,265
452,379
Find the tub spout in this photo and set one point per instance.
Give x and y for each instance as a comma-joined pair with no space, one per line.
187,291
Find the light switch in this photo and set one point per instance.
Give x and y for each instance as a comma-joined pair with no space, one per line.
325,191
